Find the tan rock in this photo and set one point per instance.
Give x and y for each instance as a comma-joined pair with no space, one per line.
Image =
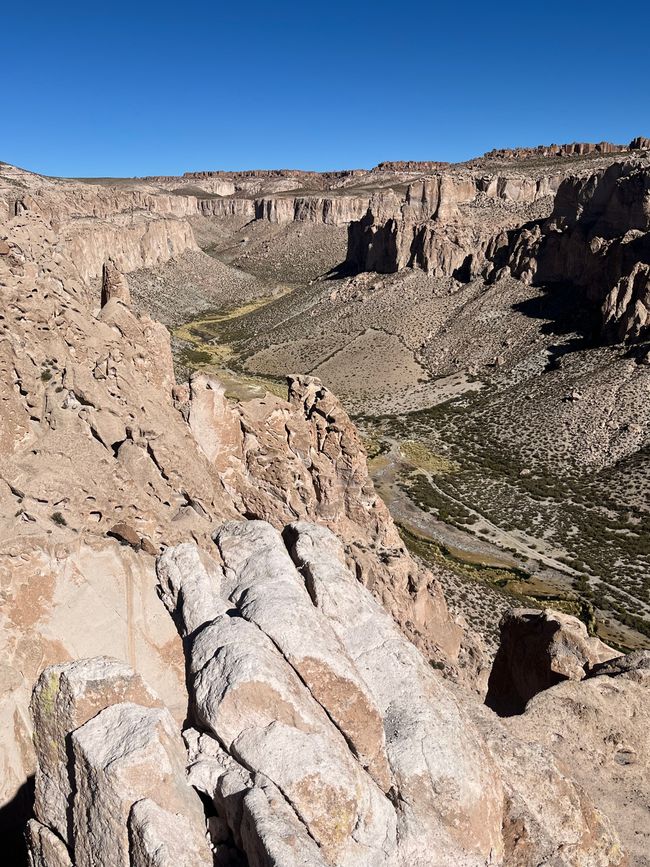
44,848
213,423
537,650
598,729
114,285
65,697
124,754
160,838
255,553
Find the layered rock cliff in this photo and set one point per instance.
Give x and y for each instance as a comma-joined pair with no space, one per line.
441,224
598,240
595,238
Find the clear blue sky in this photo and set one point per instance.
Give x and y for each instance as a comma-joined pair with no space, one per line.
122,89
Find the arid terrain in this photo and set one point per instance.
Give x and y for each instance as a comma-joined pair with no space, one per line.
325,517
535,426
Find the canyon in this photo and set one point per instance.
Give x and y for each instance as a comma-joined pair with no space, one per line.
323,514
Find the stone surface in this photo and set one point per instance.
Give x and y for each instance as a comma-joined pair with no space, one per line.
539,649
160,838
114,285
64,698
599,729
44,847
462,789
124,754
255,554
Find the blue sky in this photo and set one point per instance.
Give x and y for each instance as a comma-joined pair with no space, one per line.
123,89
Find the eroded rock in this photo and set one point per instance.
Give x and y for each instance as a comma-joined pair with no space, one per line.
537,650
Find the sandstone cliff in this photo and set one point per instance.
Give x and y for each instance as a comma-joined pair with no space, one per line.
596,236
441,224
597,239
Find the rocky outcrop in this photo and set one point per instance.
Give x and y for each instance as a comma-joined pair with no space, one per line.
114,285
409,166
280,769
640,143
288,654
537,650
599,727
557,150
111,786
598,240
596,237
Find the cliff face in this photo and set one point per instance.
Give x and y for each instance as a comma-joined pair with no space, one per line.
334,211
440,224
137,228
598,239
595,238
560,150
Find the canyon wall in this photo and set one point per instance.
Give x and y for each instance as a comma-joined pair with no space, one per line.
598,240
440,225
596,236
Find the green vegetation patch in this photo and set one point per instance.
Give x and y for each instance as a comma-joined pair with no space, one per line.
423,458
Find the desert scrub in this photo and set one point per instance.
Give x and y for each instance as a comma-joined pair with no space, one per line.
195,357
58,518
420,456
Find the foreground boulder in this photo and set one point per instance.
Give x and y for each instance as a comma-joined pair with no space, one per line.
277,747
599,730
286,652
104,744
537,650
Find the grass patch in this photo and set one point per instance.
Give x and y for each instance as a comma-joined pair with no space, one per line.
423,458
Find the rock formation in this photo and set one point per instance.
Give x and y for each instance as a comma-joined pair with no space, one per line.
110,785
114,285
597,239
559,150
440,225
600,728
537,650
288,655
640,143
